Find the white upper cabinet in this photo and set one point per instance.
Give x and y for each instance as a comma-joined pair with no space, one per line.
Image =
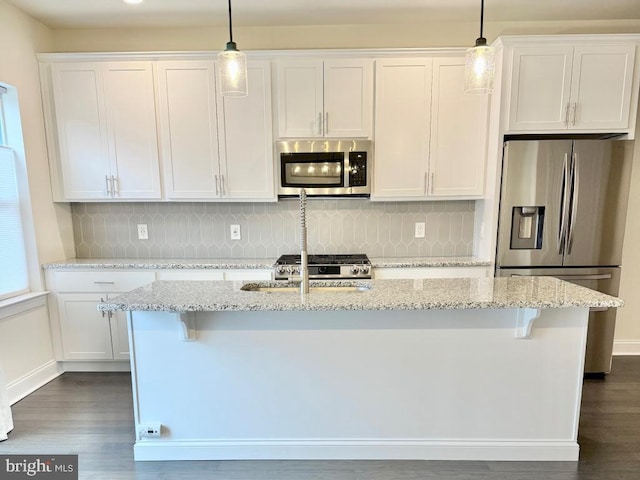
325,98
458,143
189,129
106,131
430,138
402,126
583,88
247,138
215,147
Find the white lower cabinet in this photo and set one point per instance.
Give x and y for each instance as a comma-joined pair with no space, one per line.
87,339
88,334
80,331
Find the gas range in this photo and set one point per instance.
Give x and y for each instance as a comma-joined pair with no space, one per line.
325,267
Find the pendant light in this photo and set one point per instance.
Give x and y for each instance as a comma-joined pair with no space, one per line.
479,64
232,67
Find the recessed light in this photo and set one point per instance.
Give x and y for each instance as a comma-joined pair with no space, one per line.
133,2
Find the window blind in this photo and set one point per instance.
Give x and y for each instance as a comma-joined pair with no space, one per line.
13,261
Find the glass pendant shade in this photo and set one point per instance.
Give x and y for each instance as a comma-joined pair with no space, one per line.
479,68
232,71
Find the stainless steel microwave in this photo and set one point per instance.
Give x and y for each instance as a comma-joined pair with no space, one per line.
329,168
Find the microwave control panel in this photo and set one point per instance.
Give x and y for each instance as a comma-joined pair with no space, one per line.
357,169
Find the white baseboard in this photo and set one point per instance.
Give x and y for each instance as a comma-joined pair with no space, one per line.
152,450
30,382
626,347
93,366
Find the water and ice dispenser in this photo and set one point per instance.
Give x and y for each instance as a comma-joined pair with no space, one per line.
526,228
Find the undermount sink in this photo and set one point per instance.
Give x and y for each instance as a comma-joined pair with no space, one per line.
288,288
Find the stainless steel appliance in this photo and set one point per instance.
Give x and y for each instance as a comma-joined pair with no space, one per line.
562,213
324,167
325,267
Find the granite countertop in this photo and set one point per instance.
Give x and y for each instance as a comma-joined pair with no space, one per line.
248,263
423,294
161,264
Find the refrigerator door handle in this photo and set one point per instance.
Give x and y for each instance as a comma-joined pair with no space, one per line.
575,185
563,203
597,276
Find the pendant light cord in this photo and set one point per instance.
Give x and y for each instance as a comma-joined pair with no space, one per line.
481,15
231,23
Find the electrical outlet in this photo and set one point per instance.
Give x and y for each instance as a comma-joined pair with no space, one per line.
235,232
419,230
151,430
143,232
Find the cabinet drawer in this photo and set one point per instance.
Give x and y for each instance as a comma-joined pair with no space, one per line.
102,281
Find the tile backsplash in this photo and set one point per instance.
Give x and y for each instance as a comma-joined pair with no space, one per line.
202,230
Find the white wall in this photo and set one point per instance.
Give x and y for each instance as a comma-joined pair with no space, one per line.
627,339
21,37
26,354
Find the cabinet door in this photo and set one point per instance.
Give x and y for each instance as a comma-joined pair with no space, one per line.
458,133
540,88
119,335
601,87
78,95
131,127
300,98
188,129
402,126
348,98
247,139
86,333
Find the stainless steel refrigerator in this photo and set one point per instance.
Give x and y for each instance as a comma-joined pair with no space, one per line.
562,213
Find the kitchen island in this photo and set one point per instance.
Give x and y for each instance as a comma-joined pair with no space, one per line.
475,369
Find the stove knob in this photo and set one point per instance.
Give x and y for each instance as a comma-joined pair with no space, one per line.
364,269
280,270
355,269
295,270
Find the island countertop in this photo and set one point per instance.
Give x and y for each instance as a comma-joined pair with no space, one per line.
422,294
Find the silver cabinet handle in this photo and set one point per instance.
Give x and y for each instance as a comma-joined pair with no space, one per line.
104,283
115,186
320,123
102,311
431,180
217,189
326,123
222,187
574,107
426,183
566,114
106,181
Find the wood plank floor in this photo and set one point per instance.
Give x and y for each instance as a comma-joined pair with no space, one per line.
91,414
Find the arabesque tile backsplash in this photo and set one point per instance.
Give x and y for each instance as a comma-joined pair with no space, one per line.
201,230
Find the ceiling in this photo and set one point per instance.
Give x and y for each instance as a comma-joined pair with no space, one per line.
180,13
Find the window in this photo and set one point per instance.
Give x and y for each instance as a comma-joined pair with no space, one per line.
14,278
3,134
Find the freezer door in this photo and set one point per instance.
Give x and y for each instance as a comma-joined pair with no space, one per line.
534,202
600,183
602,321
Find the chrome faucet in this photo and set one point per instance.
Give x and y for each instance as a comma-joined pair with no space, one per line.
303,278
304,260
